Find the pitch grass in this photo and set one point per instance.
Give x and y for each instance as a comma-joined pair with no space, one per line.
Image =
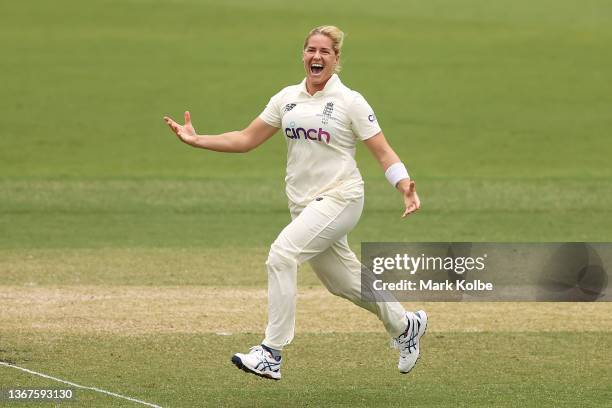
208,309
457,369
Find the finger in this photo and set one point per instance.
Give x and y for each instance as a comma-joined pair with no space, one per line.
174,128
409,210
187,118
169,121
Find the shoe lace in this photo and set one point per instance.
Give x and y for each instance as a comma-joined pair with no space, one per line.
267,361
406,342
263,352
256,349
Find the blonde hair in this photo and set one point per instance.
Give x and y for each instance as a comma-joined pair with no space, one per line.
334,34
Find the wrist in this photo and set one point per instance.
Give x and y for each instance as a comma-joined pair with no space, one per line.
396,173
192,140
405,185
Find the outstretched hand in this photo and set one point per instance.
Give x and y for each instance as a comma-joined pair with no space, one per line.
186,133
411,198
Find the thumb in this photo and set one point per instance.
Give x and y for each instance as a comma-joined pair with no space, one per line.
411,188
187,118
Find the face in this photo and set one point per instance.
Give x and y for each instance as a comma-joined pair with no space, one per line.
319,60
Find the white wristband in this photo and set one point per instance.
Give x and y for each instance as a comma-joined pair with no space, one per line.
396,172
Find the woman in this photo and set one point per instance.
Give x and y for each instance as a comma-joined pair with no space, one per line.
322,120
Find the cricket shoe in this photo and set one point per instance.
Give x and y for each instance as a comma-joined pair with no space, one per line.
258,361
408,342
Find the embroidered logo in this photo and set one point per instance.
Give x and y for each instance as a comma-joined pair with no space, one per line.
327,112
288,107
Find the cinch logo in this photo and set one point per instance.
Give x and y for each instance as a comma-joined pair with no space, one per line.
312,134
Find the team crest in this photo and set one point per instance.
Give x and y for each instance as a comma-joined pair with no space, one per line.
327,112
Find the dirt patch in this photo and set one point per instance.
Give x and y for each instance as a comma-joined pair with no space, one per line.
196,309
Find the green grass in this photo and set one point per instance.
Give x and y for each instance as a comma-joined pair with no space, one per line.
459,369
224,213
500,110
480,90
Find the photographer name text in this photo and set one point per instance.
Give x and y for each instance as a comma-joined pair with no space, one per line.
431,285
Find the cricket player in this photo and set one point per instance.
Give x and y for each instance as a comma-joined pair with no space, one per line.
321,120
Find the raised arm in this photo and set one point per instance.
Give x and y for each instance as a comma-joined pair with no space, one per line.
239,141
386,157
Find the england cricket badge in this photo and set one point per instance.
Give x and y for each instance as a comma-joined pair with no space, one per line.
327,112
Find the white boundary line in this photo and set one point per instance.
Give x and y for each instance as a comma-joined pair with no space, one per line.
80,386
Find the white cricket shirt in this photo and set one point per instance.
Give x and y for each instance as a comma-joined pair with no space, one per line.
321,131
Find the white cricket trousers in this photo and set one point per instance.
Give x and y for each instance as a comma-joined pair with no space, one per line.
318,234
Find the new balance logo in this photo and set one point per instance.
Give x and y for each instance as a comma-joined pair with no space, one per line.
288,107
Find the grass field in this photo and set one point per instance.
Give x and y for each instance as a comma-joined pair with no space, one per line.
131,263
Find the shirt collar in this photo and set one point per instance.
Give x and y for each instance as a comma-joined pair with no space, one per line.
331,84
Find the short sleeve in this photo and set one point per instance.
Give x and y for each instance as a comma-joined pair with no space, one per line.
363,120
272,113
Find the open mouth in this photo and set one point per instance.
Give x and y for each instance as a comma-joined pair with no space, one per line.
316,68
